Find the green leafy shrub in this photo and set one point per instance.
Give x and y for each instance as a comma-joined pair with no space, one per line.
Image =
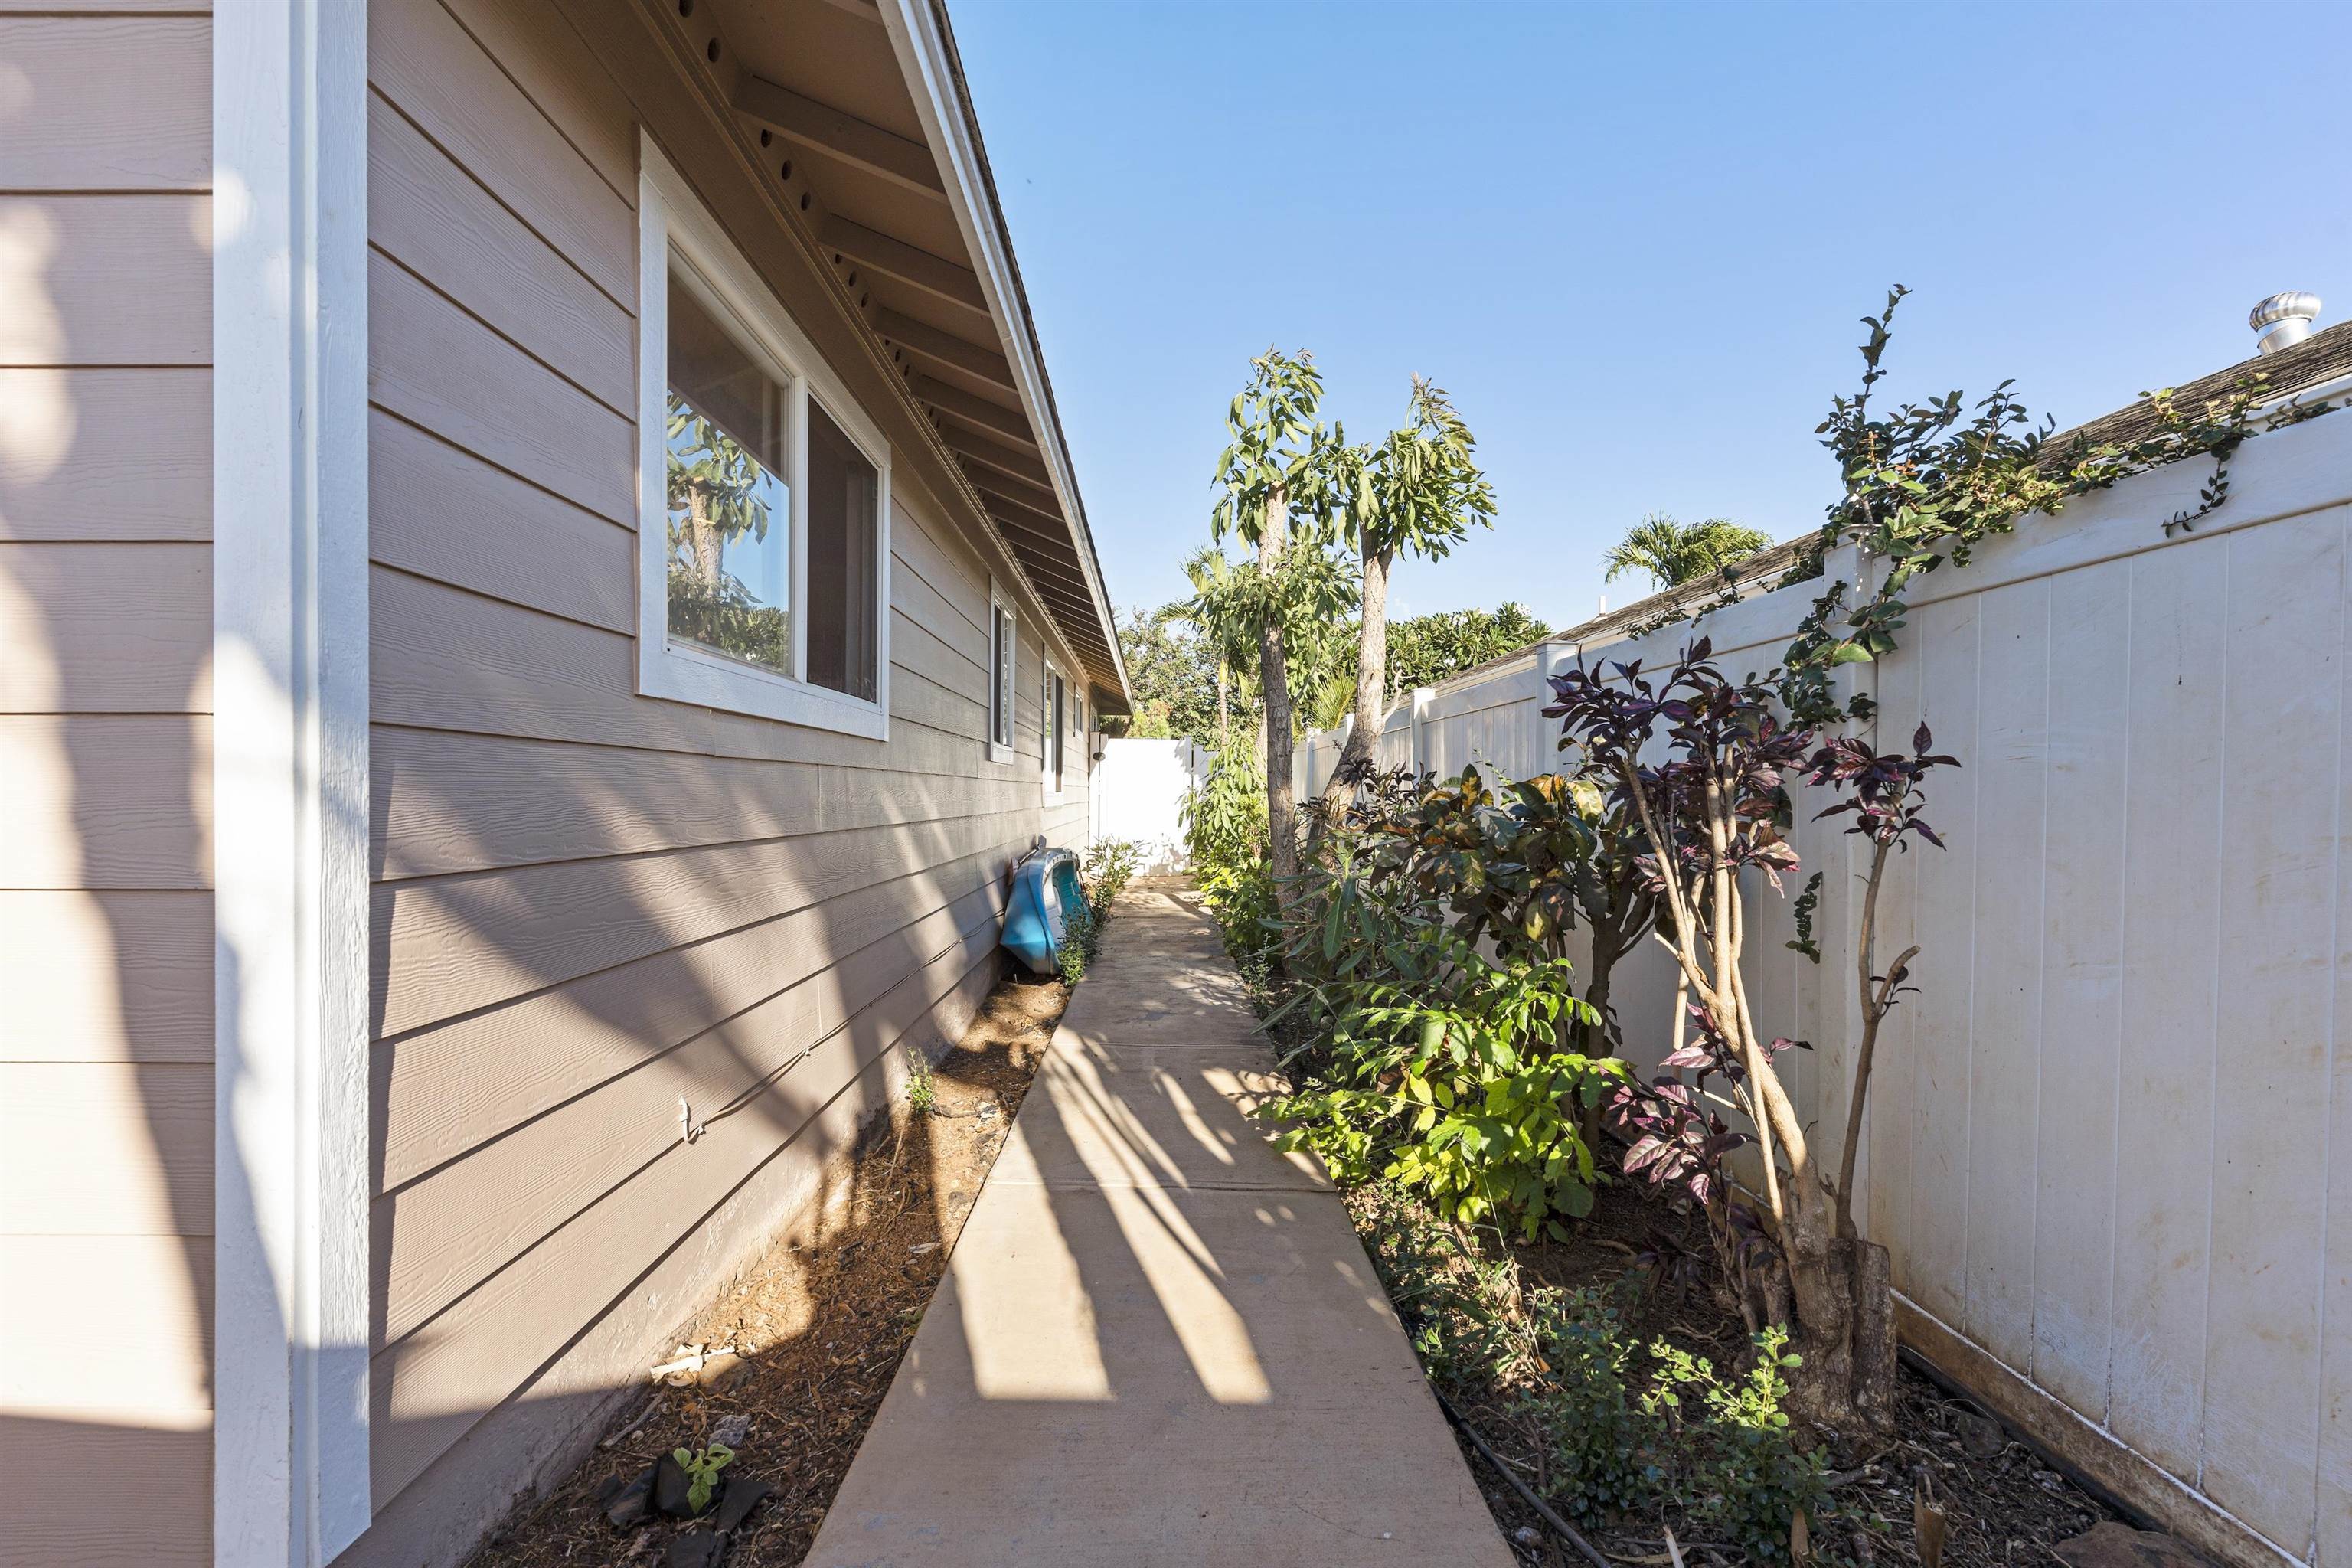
1081,935
1627,1429
1107,868
1460,1093
702,1468
1427,939
1225,839
1596,1427
922,1093
1748,1477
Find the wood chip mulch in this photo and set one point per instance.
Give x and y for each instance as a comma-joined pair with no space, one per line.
817,1328
2004,1504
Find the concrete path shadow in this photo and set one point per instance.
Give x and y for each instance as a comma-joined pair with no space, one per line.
1159,1341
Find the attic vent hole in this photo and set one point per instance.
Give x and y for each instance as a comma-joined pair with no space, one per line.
766,137
710,52
686,8
788,168
803,201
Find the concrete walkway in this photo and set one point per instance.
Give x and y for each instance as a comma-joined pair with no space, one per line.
1159,1341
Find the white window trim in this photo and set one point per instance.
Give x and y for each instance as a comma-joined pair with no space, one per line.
670,215
290,1126
1008,690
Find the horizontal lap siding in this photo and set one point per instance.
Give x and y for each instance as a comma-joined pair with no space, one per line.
106,932
591,905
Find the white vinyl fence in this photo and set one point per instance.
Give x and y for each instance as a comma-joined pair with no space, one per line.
2110,1139
1139,794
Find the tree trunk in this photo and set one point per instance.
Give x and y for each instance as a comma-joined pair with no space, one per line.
1596,1039
1874,1335
1274,675
1823,1277
1371,681
702,537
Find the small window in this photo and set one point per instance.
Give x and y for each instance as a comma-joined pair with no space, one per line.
764,524
1049,684
1003,641
1059,728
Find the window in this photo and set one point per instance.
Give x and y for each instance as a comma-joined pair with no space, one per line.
729,576
765,521
1003,639
1053,722
842,565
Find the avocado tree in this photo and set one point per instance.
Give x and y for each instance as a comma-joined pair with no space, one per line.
1419,493
1285,478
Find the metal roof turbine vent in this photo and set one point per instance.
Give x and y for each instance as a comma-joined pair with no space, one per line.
2284,321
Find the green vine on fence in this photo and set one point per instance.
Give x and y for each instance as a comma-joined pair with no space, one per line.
1928,482
1924,485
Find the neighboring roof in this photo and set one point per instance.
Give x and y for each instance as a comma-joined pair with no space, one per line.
865,114
2322,357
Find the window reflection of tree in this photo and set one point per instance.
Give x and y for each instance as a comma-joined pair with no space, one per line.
714,500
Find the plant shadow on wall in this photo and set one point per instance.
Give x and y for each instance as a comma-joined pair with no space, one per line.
107,1002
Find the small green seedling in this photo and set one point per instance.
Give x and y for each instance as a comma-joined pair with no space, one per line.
702,1472
922,1094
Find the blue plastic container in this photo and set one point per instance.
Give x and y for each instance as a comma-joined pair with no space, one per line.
1044,886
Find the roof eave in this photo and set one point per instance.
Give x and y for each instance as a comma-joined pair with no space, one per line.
925,46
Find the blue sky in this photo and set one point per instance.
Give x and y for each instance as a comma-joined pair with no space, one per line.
1633,240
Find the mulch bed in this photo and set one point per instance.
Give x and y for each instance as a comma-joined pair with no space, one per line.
795,1360
2004,1504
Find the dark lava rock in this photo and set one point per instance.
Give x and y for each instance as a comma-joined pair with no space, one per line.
628,1503
671,1484
742,1497
1981,1435
2116,1545
695,1549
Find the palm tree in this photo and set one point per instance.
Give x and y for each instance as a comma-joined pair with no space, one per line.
1673,553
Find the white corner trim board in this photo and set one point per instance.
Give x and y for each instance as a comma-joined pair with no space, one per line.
290,782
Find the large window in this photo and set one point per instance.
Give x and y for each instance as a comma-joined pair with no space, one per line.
765,517
1003,639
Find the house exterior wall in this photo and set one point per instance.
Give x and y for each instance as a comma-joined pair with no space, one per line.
2106,1142
106,924
591,905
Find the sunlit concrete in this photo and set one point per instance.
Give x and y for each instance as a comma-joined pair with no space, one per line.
1159,1341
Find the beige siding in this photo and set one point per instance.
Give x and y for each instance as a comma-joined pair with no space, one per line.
106,1080
589,904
